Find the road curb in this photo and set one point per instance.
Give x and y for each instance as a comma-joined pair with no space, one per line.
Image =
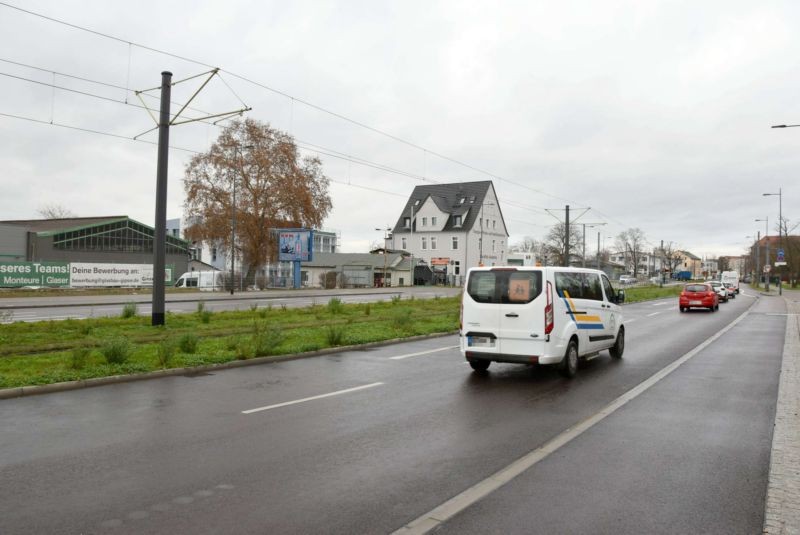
10,393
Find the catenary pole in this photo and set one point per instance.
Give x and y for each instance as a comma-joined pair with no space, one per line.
160,238
566,238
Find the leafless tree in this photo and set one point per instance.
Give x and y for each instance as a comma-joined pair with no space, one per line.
631,243
556,241
55,211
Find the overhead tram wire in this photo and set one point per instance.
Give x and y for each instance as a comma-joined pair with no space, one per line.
305,145
286,95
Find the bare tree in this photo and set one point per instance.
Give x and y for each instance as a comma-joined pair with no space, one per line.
55,211
632,242
556,241
672,257
527,245
274,187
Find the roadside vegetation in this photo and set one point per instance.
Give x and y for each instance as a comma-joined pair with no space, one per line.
54,351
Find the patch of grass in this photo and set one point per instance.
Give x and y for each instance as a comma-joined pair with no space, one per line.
116,350
647,293
129,310
334,335
335,305
201,307
367,309
165,351
402,320
396,299
266,338
188,343
78,358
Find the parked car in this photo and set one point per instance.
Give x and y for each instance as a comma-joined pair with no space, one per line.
698,295
627,279
655,280
721,290
732,290
543,315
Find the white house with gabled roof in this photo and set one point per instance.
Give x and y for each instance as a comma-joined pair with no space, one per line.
452,227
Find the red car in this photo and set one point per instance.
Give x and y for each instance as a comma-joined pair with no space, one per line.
698,295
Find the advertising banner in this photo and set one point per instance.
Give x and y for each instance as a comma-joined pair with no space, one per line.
19,274
294,245
86,275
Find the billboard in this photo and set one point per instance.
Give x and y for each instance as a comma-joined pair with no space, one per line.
19,274
294,245
91,275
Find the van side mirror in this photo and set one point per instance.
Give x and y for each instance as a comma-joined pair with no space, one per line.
620,297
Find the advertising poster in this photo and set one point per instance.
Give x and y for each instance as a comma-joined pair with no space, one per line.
20,274
294,245
92,275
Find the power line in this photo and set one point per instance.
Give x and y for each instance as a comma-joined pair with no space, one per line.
288,96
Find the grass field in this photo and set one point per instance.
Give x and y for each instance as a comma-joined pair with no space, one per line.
55,351
647,293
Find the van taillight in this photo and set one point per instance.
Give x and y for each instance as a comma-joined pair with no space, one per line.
461,316
548,310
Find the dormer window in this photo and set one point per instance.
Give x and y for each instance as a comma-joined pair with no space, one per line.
416,203
462,200
433,221
456,220
407,222
472,200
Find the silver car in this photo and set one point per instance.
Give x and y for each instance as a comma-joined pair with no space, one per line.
720,289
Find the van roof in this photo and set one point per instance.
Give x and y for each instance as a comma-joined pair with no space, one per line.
537,268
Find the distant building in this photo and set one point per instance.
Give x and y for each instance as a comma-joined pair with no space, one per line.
356,270
687,261
110,239
449,228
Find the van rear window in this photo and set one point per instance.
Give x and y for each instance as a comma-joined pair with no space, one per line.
509,287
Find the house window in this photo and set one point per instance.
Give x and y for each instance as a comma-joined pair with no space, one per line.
456,220
433,221
492,245
462,200
424,221
416,203
433,242
214,254
403,243
455,243
406,222
457,268
424,243
494,223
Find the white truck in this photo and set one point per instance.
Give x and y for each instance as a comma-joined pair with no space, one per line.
208,281
731,277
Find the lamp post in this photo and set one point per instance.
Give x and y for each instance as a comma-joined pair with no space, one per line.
766,251
385,237
780,229
583,253
238,151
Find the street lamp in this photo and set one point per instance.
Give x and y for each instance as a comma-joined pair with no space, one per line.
780,229
385,237
583,253
238,151
766,252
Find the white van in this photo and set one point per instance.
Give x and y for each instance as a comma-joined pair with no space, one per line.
202,280
544,315
731,277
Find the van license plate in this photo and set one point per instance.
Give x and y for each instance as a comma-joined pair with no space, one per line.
480,341
695,303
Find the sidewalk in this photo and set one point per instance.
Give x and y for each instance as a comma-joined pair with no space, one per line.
782,512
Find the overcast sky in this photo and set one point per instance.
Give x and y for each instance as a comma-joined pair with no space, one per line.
653,114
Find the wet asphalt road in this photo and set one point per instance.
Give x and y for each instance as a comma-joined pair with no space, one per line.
178,455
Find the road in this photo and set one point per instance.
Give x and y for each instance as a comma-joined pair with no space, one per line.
372,441
82,307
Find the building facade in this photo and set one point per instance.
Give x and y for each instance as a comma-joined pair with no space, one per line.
452,227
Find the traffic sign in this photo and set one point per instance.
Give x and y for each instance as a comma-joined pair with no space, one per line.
779,264
779,257
767,268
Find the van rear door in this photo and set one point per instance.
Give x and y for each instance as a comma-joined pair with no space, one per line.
521,312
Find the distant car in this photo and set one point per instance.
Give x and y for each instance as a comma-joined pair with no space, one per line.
732,290
698,295
627,279
655,280
721,290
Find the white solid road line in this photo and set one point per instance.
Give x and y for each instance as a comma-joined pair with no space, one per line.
658,304
436,517
408,356
630,321
654,314
268,407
